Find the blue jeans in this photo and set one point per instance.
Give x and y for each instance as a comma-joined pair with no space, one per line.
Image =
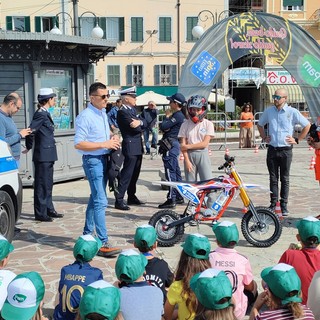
154,137
95,168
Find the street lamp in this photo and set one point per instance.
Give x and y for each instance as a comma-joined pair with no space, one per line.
96,32
55,29
205,15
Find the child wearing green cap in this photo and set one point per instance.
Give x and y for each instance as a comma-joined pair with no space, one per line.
6,276
100,301
213,290
139,299
75,277
194,258
238,268
157,270
307,260
24,299
281,295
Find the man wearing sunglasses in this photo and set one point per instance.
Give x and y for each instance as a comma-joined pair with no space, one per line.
131,128
94,142
281,120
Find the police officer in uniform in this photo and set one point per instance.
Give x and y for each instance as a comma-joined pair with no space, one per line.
44,156
170,127
131,128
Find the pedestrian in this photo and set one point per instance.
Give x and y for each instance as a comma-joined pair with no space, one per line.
307,260
213,290
25,298
281,120
94,142
75,277
11,104
181,301
131,128
170,148
139,299
313,140
157,270
281,295
238,268
246,126
195,135
112,117
150,114
100,300
44,156
6,276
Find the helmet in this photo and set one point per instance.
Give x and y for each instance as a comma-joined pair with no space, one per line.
199,102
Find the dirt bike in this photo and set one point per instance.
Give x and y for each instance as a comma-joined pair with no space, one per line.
259,225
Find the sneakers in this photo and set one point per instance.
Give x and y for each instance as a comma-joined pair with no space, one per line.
167,205
179,201
284,209
108,250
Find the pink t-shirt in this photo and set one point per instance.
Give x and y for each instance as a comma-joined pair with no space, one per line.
195,132
239,271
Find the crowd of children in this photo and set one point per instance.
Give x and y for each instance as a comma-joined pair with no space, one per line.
206,285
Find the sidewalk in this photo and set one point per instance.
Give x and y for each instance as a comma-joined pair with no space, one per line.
46,247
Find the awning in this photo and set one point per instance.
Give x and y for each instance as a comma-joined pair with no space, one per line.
164,90
295,94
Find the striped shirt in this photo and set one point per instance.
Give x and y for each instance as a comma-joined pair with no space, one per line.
284,314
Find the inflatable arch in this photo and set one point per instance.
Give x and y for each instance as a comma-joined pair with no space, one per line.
254,33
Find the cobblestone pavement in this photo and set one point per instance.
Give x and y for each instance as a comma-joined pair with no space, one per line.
46,247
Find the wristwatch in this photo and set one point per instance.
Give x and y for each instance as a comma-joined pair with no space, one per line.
296,140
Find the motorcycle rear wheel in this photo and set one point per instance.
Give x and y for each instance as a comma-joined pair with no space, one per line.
171,236
261,236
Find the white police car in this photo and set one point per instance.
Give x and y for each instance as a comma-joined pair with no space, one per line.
10,192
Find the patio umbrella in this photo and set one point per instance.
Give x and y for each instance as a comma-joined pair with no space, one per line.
144,98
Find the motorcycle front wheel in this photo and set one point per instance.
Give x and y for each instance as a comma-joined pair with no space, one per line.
167,237
264,233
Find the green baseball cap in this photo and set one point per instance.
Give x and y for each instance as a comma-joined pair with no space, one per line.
100,297
226,232
308,227
145,236
5,247
25,292
210,286
86,247
282,280
197,246
130,265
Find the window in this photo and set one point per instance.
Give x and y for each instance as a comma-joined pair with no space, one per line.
165,74
293,5
164,29
191,23
136,29
18,23
43,24
113,75
113,27
134,75
60,80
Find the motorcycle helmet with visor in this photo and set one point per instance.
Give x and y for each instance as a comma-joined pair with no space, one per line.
197,102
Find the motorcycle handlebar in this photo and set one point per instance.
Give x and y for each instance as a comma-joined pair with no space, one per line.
228,159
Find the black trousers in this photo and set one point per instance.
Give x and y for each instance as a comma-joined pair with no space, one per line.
129,176
43,184
279,163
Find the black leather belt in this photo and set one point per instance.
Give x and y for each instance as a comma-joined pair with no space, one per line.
99,156
280,148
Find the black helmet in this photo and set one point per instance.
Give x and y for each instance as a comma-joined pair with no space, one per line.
197,102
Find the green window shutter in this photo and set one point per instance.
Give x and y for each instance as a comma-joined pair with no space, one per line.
292,3
103,26
136,29
9,23
140,29
27,24
164,29
121,29
173,79
191,23
37,22
129,75
157,75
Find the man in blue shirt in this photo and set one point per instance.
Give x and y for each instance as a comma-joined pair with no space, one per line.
281,120
112,117
93,140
